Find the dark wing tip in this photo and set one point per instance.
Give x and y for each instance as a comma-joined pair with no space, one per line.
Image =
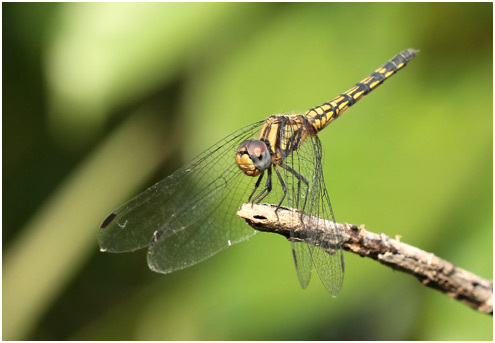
108,220
156,236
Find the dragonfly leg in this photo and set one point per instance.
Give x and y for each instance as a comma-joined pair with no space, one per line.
256,186
266,190
300,178
284,187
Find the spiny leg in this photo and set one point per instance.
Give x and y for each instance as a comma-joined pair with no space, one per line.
256,186
284,187
266,190
299,178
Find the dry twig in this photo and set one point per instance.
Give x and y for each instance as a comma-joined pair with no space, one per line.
431,270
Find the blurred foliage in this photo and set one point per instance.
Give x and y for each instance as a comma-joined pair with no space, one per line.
102,100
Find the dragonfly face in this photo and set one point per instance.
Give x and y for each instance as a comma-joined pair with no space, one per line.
253,157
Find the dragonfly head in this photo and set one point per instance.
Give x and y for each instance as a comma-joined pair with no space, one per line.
253,157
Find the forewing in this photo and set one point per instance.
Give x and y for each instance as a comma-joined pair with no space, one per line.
174,207
208,224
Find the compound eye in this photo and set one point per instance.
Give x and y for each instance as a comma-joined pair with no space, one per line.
259,154
253,157
242,149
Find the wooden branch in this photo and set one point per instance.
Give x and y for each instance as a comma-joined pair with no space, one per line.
430,270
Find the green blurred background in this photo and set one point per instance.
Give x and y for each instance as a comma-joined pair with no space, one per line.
102,100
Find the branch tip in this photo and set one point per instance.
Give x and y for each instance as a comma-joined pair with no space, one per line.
429,269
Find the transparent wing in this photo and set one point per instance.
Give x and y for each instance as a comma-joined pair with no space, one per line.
328,257
302,252
307,193
188,216
207,225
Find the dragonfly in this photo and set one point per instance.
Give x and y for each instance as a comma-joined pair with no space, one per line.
191,215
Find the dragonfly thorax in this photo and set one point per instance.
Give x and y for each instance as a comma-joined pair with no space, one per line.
253,157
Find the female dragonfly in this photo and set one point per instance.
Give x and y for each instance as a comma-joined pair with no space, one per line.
191,215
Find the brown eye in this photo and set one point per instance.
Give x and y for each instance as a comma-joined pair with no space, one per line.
253,157
259,154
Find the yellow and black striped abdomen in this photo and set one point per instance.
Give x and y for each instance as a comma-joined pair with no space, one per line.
323,115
